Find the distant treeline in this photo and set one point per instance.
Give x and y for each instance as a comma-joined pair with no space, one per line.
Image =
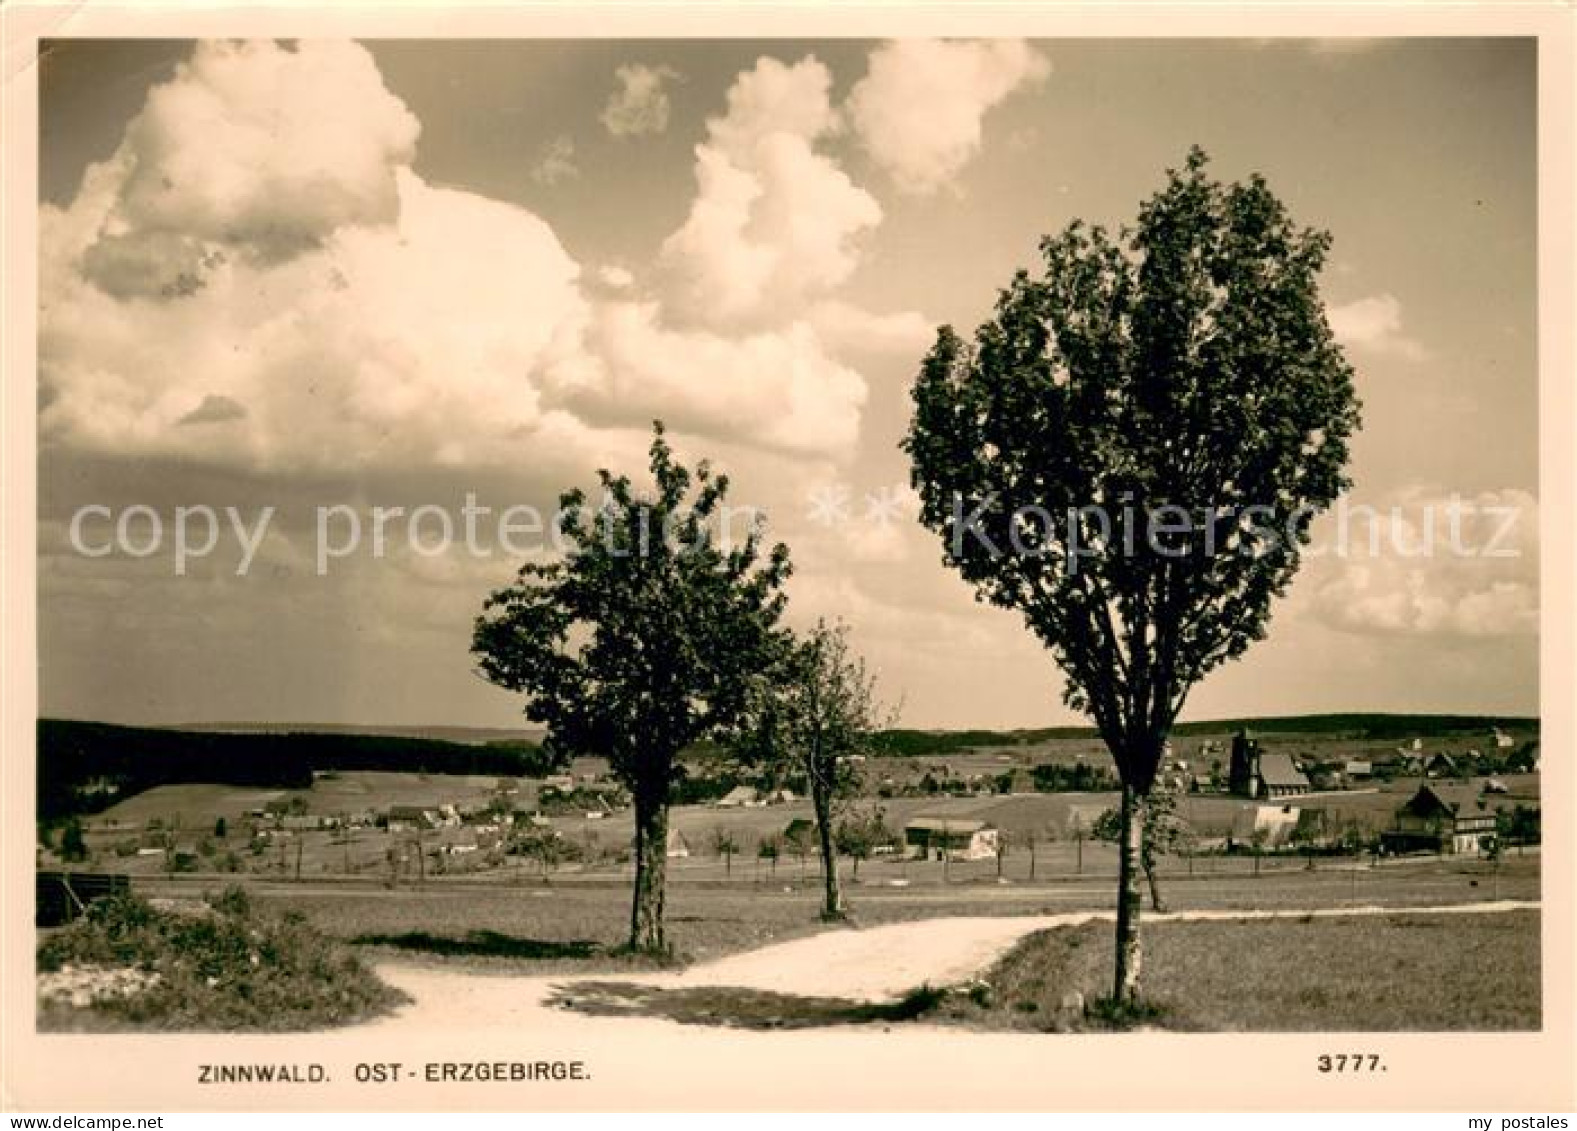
84,767
1374,727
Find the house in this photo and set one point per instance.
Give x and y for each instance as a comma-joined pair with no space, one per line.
412,818
1442,766
1407,761
678,848
1443,818
800,827
1270,826
950,838
1503,741
739,796
558,783
1357,769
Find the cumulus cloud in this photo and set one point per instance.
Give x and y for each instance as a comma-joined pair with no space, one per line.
214,409
918,111
1427,564
409,340
849,329
1374,323
205,159
251,281
640,104
555,162
784,382
774,224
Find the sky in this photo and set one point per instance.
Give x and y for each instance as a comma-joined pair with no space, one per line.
325,277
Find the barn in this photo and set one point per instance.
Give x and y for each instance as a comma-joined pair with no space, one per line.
951,838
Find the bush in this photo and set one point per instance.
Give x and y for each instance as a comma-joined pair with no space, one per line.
223,965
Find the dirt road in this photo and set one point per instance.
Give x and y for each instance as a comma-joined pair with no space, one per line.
874,964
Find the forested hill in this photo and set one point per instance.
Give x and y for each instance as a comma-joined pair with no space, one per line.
1368,727
77,759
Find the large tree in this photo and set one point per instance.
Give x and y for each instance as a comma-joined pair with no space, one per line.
642,639
1130,453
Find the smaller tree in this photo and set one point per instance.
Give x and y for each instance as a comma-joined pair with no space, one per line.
1004,846
1165,832
725,845
770,848
73,848
1257,842
543,845
815,711
798,840
860,833
221,830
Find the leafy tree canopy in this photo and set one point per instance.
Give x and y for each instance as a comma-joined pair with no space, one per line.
1131,450
643,637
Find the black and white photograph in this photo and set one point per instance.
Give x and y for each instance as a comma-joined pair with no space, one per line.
848,549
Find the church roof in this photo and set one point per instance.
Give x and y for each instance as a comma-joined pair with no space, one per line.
1277,771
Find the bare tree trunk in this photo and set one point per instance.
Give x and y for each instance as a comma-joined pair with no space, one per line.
651,866
1125,987
832,903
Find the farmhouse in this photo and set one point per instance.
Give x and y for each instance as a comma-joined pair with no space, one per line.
799,828
411,818
936,838
740,795
1443,818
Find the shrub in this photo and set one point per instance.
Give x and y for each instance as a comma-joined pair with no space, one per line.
223,965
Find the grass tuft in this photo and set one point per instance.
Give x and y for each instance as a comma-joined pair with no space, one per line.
735,1007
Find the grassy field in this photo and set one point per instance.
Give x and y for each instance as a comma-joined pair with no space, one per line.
1421,973
579,924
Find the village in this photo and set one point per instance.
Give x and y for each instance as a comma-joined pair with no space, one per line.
1012,813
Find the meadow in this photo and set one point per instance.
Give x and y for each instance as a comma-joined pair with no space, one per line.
1416,972
578,921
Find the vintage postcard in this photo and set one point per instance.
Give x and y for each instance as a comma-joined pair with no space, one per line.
645,558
